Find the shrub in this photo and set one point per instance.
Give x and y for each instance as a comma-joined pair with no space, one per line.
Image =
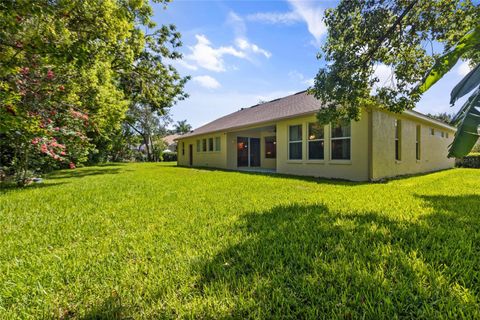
470,161
169,156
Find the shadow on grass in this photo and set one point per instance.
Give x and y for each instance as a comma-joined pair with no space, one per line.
7,188
307,262
84,172
109,309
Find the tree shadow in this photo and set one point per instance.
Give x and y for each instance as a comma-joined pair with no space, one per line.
11,187
308,262
109,309
81,173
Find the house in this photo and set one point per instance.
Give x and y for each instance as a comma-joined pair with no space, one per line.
283,136
170,142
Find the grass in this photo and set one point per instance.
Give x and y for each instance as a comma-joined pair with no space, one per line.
157,241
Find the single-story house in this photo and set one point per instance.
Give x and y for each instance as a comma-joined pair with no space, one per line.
284,136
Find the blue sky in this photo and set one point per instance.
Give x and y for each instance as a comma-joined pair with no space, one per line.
241,52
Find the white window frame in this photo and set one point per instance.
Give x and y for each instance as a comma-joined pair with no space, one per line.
295,141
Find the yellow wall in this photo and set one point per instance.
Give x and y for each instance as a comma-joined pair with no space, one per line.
433,148
215,159
369,161
355,169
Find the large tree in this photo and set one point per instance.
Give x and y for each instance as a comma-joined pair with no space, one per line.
406,37
63,88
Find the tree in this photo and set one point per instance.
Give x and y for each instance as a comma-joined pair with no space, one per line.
182,127
444,116
403,36
150,126
66,76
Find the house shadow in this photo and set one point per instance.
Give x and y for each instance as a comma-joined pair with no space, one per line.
305,261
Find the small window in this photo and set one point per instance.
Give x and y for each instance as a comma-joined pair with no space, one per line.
341,140
398,139
204,145
295,142
432,131
446,135
183,148
316,141
418,142
210,144
199,146
217,143
270,147
442,134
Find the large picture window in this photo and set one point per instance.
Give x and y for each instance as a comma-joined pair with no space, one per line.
341,140
295,142
398,140
270,147
316,141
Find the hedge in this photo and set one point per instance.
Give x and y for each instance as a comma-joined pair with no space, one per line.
169,156
470,161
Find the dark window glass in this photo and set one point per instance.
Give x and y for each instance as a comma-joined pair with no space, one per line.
210,144
341,129
315,131
183,148
296,133
341,149
217,143
295,151
315,150
270,147
204,145
398,136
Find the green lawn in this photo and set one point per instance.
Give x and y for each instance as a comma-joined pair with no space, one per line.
158,241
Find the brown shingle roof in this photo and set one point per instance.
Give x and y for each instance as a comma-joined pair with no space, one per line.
296,104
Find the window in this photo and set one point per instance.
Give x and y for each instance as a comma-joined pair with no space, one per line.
295,142
270,147
315,141
417,142
446,135
217,143
340,141
432,131
204,145
198,146
442,134
398,139
183,148
210,144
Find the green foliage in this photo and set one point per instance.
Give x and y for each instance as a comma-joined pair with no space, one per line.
154,241
468,121
443,64
182,127
472,160
73,57
364,34
169,156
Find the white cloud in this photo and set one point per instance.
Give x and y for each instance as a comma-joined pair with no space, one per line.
464,68
313,17
298,76
287,18
245,45
208,57
207,82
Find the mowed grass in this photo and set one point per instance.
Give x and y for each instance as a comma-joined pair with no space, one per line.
158,241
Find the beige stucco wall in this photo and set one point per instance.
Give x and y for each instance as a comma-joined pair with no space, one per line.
214,159
354,169
433,148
